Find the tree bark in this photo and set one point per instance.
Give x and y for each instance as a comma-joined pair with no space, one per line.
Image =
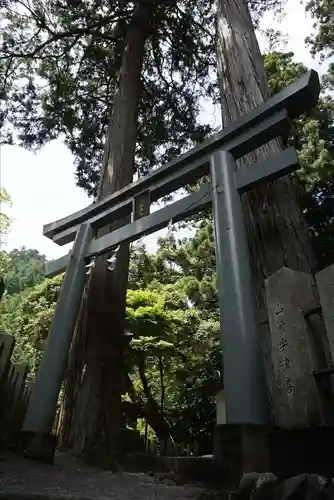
162,384
92,402
277,232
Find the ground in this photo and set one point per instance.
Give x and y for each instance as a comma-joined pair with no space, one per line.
20,478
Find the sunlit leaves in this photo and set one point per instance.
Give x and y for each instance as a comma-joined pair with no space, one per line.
5,200
314,140
322,40
27,268
28,317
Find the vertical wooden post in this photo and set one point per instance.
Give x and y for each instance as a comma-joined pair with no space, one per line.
7,343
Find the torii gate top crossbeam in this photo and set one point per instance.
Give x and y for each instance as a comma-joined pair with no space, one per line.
269,120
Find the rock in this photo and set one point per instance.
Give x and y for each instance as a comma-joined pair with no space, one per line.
266,485
256,486
328,493
292,488
265,477
246,486
302,487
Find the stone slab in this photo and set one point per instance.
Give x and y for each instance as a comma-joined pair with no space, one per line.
295,398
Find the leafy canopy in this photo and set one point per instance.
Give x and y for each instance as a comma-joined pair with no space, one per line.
322,41
5,221
60,63
59,68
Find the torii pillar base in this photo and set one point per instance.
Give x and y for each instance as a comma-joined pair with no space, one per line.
240,448
39,447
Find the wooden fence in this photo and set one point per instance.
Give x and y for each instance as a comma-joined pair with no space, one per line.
14,392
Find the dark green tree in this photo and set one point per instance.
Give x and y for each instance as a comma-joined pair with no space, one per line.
139,70
26,268
4,228
322,41
129,75
74,69
167,362
27,316
60,70
313,138
320,200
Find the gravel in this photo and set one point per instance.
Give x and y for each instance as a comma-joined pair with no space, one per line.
68,478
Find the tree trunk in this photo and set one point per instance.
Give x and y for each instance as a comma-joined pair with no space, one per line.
149,410
92,416
277,231
162,384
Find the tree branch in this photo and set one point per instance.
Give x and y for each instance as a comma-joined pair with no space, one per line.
77,32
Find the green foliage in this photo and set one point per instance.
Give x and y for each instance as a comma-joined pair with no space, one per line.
4,219
26,269
61,67
27,316
59,71
323,40
177,346
314,140
4,263
169,353
4,228
281,70
173,358
314,146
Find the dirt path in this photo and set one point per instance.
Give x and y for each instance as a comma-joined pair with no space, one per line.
70,478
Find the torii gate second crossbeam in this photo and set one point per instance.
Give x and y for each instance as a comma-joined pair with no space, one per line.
244,380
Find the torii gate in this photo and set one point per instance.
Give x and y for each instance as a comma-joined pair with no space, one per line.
244,380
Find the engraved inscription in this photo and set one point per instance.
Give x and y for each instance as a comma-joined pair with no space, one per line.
285,364
283,343
288,386
279,309
280,325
